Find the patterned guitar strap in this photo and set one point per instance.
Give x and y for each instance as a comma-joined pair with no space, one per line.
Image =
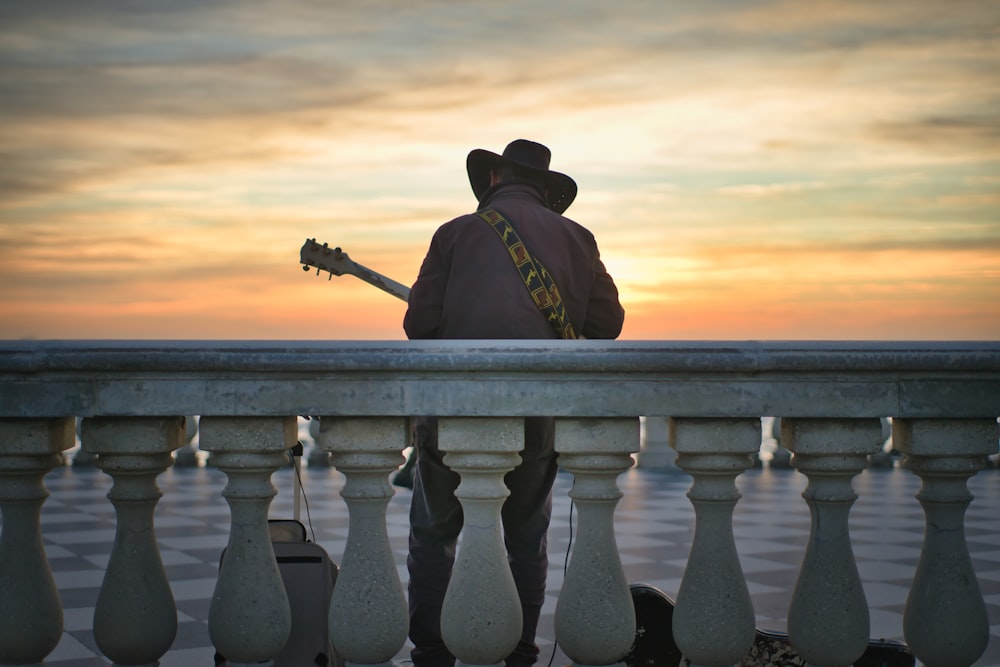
540,285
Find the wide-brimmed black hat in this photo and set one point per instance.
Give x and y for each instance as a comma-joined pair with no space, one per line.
526,155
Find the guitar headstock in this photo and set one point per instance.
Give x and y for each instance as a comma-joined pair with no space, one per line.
324,258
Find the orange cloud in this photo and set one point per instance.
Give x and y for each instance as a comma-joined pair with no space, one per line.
769,171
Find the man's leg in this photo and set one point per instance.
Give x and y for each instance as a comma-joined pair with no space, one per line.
526,516
435,522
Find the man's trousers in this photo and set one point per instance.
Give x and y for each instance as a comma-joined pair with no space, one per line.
436,521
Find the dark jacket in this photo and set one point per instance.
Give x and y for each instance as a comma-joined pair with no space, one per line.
468,286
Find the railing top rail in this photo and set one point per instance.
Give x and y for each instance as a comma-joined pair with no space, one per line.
498,355
478,378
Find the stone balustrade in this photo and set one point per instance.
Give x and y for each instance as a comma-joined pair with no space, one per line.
944,399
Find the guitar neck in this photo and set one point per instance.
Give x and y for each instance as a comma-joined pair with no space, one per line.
384,283
336,262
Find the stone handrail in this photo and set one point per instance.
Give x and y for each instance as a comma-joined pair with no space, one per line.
944,399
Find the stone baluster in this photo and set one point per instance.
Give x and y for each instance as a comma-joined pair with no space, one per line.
249,619
595,593
481,616
31,616
945,622
655,451
368,615
135,620
187,455
828,622
713,620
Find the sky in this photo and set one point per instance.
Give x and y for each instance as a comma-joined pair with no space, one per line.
752,170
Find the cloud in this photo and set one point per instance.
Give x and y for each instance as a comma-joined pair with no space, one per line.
953,135
771,189
198,143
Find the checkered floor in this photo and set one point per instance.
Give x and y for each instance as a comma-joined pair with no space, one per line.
654,523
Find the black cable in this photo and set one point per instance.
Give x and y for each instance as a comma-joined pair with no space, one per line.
296,462
572,504
569,548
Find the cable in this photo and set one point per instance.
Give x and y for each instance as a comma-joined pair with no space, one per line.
572,504
569,548
296,463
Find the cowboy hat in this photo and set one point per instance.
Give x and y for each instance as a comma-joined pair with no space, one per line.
522,154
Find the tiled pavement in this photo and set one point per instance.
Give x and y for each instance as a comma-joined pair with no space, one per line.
654,523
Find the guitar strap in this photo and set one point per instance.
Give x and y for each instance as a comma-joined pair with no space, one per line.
542,288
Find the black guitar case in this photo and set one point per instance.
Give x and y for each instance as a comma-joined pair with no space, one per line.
655,647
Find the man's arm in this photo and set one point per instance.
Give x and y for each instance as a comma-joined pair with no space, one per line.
605,315
423,313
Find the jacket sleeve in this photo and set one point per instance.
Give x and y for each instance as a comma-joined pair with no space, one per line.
423,312
605,315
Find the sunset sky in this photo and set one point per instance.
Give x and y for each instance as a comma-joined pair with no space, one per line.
751,170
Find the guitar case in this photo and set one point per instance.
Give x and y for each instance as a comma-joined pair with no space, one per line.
655,646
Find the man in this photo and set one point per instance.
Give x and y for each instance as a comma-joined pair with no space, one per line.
470,287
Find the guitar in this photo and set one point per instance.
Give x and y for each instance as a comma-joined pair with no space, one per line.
336,262
654,644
